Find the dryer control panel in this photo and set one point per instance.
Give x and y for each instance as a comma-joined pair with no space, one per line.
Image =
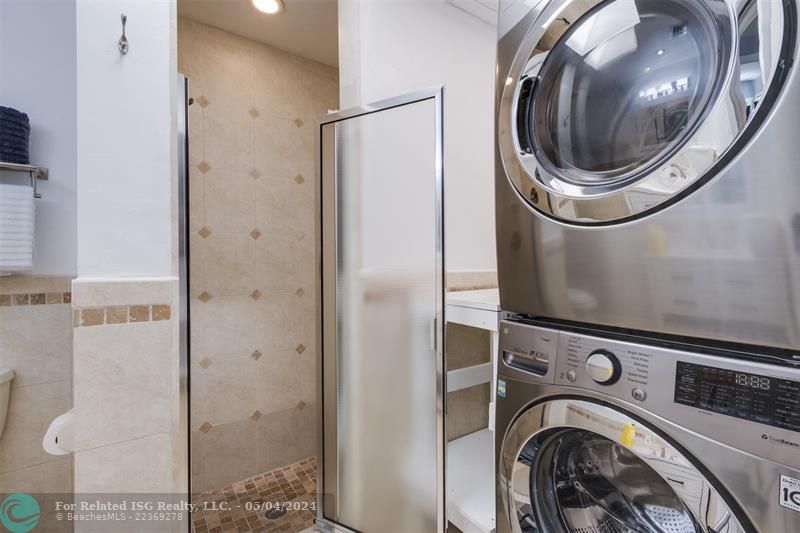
619,369
753,397
702,392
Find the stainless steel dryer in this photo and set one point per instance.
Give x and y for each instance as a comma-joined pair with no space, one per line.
648,166
600,435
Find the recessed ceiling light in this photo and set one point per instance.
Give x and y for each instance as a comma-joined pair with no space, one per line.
270,7
660,51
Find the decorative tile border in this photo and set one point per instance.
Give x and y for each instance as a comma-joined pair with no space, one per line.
35,298
120,314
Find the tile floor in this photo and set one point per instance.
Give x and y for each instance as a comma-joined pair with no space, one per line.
243,506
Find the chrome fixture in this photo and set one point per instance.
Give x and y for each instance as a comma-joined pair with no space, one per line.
123,41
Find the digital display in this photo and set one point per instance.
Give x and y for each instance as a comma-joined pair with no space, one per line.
750,380
753,397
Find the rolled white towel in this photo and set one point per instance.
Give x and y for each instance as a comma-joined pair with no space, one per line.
17,226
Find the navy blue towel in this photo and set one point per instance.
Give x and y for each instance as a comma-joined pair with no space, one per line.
13,134
11,151
13,138
10,125
15,129
19,160
10,112
19,150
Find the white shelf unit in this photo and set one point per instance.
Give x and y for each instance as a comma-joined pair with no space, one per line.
470,459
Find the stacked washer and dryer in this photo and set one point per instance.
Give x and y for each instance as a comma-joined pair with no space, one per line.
648,234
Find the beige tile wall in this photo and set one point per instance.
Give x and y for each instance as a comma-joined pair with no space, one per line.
36,342
125,389
252,204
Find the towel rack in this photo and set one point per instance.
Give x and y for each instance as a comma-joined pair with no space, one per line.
36,173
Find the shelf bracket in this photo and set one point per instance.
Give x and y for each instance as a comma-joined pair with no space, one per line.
35,173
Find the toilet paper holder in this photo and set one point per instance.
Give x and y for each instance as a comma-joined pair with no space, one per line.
60,436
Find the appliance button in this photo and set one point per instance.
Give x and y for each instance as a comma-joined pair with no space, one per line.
571,376
603,367
639,395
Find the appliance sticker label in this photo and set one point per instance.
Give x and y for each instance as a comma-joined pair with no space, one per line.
501,392
790,493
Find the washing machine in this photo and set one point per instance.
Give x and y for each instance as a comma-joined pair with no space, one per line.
648,170
601,434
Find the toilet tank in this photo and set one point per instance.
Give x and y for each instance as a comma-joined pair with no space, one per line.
6,375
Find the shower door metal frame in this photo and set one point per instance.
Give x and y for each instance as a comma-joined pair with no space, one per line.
182,167
326,293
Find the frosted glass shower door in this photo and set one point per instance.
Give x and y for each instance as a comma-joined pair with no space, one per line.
382,303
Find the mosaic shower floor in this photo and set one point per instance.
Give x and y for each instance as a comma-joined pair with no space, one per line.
250,505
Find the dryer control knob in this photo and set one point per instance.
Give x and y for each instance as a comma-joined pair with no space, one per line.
603,367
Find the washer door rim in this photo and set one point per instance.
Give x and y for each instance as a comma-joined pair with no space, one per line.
644,193
532,423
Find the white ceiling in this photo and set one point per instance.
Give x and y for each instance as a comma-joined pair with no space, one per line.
308,28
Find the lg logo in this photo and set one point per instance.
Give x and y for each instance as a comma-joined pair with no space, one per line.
790,493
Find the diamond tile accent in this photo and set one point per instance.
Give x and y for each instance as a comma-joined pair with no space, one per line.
204,297
255,295
256,355
253,112
202,101
204,232
206,427
299,179
256,415
300,292
205,363
254,173
299,123
203,167
301,405
300,348
255,234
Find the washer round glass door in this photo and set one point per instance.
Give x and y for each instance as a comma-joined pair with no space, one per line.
573,466
613,108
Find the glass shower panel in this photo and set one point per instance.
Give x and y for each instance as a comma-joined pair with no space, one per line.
382,304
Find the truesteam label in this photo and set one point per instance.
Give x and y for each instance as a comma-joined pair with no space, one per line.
501,389
790,493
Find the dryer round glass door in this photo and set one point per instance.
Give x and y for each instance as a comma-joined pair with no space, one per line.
576,466
616,108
